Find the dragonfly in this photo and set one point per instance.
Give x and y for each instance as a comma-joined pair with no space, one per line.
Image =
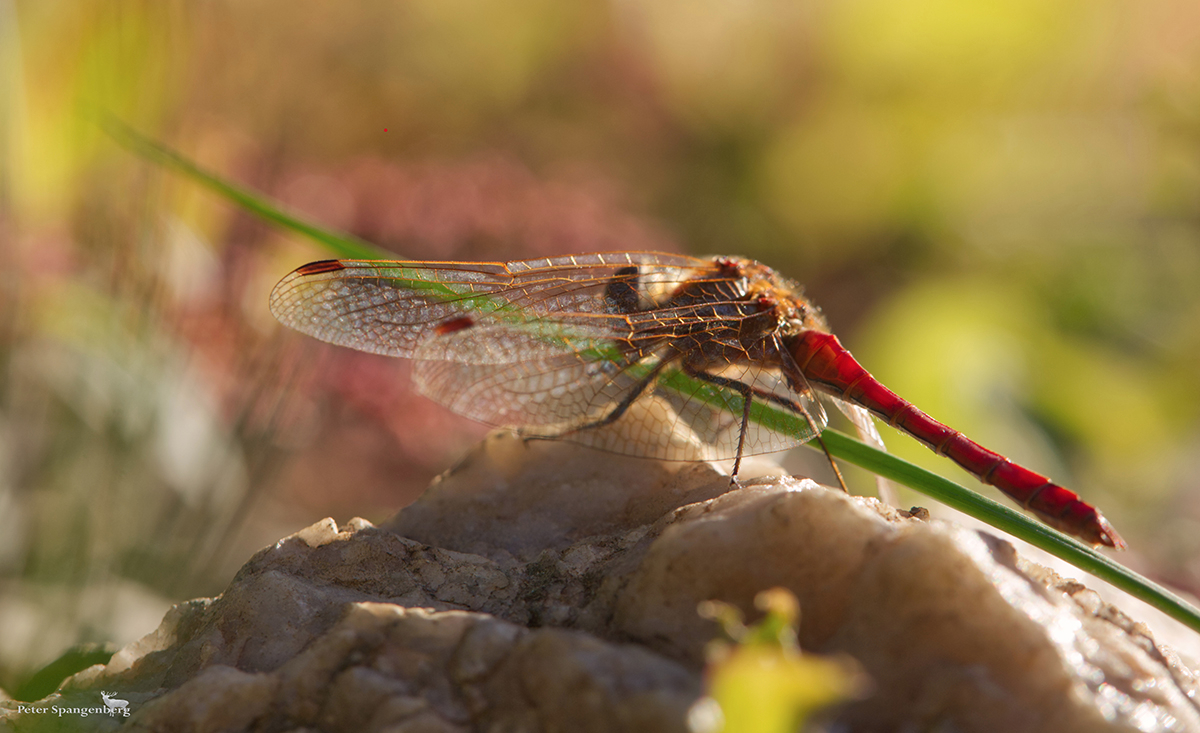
641,353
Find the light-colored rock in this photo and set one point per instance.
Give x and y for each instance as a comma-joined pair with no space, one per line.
949,626
544,586
516,499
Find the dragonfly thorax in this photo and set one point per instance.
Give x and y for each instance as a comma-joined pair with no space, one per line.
770,291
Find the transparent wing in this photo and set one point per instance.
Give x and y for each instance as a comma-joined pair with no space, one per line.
864,425
712,414
394,307
576,347
616,401
511,378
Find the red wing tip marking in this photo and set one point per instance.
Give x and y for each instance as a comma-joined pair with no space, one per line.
454,324
316,268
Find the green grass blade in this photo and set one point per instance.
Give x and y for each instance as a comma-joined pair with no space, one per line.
49,678
839,444
341,245
1011,521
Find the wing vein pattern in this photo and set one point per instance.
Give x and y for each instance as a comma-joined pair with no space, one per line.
552,347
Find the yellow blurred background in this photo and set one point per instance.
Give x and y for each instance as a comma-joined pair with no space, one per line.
996,203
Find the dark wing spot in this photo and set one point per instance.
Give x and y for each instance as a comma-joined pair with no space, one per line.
316,268
454,324
621,295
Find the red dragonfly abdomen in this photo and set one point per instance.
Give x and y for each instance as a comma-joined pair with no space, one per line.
827,364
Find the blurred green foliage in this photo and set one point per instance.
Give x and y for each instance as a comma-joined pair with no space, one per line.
759,681
996,203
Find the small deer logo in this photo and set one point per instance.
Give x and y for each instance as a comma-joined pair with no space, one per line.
113,703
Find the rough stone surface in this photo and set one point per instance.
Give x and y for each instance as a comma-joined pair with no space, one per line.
547,587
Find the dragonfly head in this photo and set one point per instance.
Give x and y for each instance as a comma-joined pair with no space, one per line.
774,292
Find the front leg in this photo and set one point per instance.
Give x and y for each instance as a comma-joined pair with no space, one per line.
740,387
748,392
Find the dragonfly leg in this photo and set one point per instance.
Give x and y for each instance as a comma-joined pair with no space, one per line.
747,391
615,414
833,464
